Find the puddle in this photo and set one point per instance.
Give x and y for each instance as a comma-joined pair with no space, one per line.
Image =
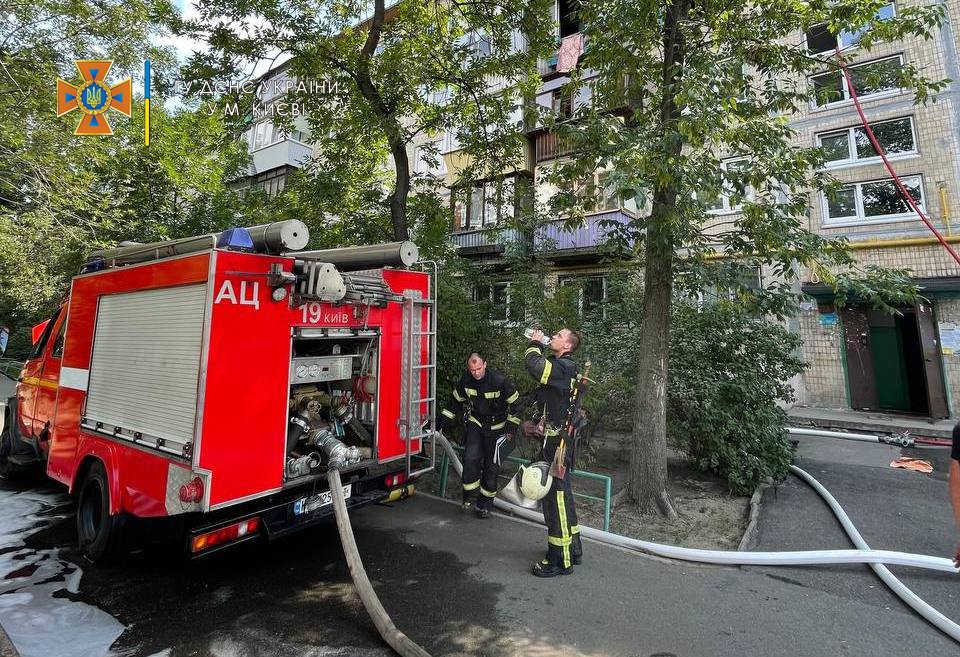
36,585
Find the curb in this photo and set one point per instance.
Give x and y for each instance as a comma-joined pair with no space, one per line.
7,648
750,533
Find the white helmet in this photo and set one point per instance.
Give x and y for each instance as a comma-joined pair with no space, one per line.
535,480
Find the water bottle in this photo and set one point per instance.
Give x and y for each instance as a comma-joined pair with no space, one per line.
529,335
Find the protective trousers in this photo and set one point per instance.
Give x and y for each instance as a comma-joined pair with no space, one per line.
560,513
480,466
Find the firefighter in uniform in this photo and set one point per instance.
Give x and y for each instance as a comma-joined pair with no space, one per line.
556,375
490,401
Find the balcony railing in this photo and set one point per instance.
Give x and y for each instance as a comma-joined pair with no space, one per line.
556,237
549,145
485,240
285,152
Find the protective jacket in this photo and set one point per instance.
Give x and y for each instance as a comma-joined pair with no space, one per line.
489,408
490,403
557,376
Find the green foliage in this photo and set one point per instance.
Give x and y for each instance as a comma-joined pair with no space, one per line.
63,195
397,74
741,74
730,371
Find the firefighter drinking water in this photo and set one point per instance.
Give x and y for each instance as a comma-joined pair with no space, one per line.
556,376
488,402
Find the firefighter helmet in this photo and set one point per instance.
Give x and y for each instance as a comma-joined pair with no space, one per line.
535,480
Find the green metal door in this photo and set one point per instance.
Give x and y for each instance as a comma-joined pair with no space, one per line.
890,367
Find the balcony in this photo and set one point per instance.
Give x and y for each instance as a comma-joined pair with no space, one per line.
285,152
555,241
549,146
486,241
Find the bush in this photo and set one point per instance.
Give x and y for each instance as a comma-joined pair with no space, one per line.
729,372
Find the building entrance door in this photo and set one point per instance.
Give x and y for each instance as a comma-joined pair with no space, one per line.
893,360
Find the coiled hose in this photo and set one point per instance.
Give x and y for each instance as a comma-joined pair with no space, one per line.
875,558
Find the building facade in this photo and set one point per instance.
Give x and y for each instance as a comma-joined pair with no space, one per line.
858,358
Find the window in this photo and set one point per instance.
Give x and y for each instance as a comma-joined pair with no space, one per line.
609,199
735,190
568,15
45,335
478,44
869,78
58,343
503,304
485,204
272,182
876,201
821,40
853,145
451,141
260,135
728,288
562,104
592,292
427,161
599,194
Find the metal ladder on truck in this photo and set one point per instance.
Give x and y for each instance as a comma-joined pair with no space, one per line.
414,424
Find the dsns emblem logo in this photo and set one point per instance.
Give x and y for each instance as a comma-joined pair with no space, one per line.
94,97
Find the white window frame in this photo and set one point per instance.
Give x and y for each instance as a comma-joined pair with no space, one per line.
464,196
853,159
847,98
861,219
725,196
838,37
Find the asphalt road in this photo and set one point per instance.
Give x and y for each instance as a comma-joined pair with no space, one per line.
893,509
457,585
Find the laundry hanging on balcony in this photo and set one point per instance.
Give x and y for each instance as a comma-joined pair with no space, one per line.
570,50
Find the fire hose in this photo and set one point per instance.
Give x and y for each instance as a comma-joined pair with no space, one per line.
863,554
396,639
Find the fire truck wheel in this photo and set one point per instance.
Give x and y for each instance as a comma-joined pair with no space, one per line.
8,469
97,530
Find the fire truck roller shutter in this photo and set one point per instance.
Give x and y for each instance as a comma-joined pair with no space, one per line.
146,364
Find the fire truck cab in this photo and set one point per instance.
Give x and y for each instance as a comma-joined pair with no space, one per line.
212,381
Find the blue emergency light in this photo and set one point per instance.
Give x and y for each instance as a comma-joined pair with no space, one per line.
236,239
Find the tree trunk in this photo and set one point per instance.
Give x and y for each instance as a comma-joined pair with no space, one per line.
390,124
648,459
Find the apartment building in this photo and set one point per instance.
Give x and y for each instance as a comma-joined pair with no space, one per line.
859,358
274,152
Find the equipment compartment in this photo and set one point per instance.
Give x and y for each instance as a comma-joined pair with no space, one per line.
332,406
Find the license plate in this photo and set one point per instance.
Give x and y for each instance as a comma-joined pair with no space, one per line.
318,501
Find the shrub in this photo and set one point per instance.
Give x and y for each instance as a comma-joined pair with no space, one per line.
730,371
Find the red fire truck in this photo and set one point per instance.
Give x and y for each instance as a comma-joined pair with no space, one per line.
213,380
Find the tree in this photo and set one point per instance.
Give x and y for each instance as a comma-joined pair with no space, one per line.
680,85
62,195
398,74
